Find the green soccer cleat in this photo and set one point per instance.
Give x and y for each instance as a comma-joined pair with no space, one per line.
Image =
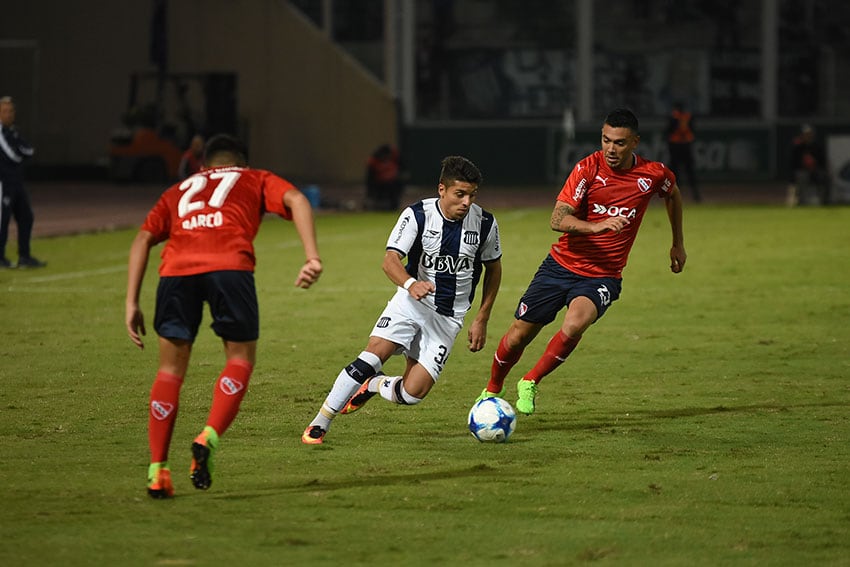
159,481
486,394
203,449
526,392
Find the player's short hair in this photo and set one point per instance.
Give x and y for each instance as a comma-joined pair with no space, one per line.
225,146
622,118
458,168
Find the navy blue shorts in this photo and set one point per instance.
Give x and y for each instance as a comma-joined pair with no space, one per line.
553,287
231,295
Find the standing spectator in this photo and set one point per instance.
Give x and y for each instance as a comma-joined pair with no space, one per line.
599,210
447,241
192,159
14,196
680,141
209,223
809,182
384,184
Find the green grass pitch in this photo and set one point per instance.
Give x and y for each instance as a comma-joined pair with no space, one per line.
705,420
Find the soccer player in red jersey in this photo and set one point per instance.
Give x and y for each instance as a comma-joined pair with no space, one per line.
208,222
598,210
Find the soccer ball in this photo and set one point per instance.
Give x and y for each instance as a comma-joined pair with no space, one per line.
492,420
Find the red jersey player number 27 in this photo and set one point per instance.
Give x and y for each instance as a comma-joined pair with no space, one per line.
210,219
189,204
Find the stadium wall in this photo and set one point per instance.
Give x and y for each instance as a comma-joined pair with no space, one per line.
306,108
535,153
72,91
309,110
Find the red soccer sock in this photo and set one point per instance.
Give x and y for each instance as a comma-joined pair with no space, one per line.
503,360
164,400
229,390
559,348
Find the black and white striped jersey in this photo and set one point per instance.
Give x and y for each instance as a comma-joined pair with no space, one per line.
446,252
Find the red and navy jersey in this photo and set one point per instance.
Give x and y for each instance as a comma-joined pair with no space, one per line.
596,191
211,218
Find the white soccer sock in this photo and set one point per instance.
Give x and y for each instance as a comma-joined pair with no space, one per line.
345,386
324,417
392,389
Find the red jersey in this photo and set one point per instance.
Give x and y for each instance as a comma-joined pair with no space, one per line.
680,130
384,170
596,191
210,219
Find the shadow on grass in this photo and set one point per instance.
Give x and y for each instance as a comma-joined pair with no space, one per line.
481,469
372,480
569,422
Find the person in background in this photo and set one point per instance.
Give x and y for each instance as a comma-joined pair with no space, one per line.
598,212
680,143
192,159
15,199
449,241
208,223
809,182
384,180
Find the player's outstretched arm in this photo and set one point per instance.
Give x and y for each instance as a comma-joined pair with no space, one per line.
678,256
136,266
302,216
478,328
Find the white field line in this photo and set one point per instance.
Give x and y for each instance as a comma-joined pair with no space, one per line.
76,275
294,243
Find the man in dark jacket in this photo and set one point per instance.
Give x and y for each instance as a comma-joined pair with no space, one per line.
15,199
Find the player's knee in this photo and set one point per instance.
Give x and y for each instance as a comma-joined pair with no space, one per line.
519,335
360,370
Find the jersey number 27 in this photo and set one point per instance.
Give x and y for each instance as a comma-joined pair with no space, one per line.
197,183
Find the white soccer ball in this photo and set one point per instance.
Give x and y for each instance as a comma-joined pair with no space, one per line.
492,420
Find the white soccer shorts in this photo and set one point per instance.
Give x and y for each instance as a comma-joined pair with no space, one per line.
424,335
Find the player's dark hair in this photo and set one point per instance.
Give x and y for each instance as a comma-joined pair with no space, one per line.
221,144
622,118
458,168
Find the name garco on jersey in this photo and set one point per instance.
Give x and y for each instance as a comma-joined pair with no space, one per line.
203,220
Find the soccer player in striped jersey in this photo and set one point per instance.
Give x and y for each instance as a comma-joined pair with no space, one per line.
598,212
449,242
208,222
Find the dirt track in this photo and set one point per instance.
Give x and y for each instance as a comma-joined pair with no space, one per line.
71,208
